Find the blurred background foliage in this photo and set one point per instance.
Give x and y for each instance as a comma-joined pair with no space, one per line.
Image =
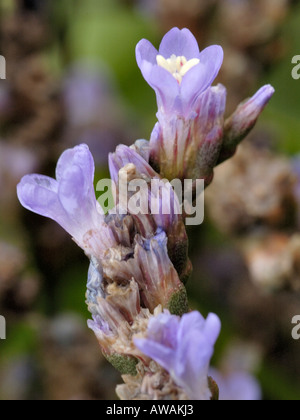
71,78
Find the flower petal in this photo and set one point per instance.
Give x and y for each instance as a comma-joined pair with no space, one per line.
78,199
145,52
201,76
80,156
161,354
166,87
212,57
181,43
38,194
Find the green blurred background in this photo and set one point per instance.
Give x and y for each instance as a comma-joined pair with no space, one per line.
72,78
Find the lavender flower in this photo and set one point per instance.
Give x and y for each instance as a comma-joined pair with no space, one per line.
187,139
70,200
178,72
184,348
190,139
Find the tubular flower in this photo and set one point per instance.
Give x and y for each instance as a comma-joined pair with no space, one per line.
184,347
178,72
191,136
70,200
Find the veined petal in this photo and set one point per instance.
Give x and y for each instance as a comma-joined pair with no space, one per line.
181,43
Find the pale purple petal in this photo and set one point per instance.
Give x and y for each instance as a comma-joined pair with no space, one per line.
146,53
166,87
165,329
78,198
162,342
212,328
164,84
201,77
70,200
80,156
179,42
38,194
195,352
212,57
163,355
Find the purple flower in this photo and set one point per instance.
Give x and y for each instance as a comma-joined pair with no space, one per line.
70,200
191,136
184,347
178,72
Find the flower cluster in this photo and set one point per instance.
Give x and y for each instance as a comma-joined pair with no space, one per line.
139,260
